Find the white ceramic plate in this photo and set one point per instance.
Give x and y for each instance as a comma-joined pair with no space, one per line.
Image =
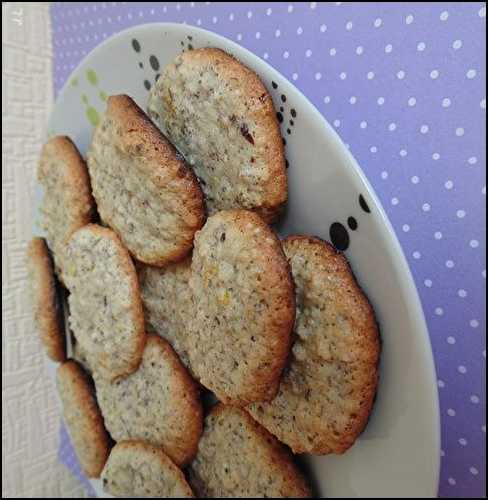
398,454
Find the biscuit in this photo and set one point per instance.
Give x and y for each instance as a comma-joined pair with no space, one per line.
220,116
136,469
159,403
106,315
238,458
45,300
67,203
327,391
143,188
83,419
167,305
244,308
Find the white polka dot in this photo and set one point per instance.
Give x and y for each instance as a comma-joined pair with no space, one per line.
332,51
449,264
449,184
349,26
483,190
471,74
318,76
363,124
373,149
384,174
394,201
343,76
446,102
451,412
421,46
265,55
451,480
474,243
451,340
313,5
462,369
472,160
444,15
277,33
412,101
438,235
214,19
388,48
434,74
406,228
295,76
415,180
400,75
199,22
269,11
439,311
473,471
426,207
249,14
409,19
435,156
483,428
424,129
457,44
323,28
462,441
337,123
392,127
290,8
353,99
327,99
299,30
416,255
370,75
403,152
483,273
359,50
460,214
258,35
381,101
441,384
239,36
474,399
286,54
378,22
482,12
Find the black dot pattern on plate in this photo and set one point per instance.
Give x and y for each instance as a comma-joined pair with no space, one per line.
153,61
282,109
141,65
287,164
280,117
352,223
147,84
284,141
339,236
136,45
274,85
288,131
363,204
156,78
293,112
292,123
283,98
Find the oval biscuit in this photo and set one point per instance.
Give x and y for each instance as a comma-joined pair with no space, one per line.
327,392
244,308
220,116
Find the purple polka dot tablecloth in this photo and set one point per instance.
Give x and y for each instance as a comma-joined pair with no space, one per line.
404,85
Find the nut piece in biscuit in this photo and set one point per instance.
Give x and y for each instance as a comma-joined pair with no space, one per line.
136,469
45,299
219,114
244,308
83,418
106,314
159,403
239,458
143,188
327,392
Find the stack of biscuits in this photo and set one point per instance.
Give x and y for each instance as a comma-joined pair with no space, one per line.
204,352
